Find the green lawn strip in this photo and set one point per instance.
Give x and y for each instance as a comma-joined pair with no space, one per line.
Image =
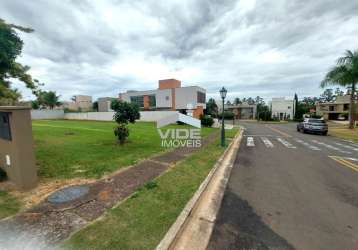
9,205
141,221
344,133
69,149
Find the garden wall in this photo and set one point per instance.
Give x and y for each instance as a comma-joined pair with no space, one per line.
47,114
95,116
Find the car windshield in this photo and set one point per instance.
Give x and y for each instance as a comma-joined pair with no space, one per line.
316,121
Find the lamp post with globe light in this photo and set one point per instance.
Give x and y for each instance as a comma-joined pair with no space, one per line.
223,93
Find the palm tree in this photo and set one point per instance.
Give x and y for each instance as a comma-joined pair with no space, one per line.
345,74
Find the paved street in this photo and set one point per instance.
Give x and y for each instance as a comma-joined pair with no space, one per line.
289,190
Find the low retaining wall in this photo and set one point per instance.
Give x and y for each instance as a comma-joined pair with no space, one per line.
47,114
149,116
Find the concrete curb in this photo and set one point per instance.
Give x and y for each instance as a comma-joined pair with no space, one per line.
194,225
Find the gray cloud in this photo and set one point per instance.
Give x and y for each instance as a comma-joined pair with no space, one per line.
267,48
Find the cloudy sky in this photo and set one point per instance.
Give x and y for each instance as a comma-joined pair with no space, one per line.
264,47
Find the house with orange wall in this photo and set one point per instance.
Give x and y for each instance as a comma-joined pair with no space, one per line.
170,95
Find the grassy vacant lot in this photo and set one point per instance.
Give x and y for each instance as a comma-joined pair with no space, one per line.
68,149
345,133
8,205
141,221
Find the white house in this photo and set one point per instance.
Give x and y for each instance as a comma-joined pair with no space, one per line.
282,109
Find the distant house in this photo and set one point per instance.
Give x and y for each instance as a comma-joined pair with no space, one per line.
79,103
339,109
170,95
282,109
104,104
243,111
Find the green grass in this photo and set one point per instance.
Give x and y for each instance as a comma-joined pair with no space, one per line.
141,221
68,149
344,133
9,205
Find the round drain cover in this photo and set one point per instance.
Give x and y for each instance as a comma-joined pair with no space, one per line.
68,194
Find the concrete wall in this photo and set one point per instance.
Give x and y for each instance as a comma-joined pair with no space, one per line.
47,114
95,116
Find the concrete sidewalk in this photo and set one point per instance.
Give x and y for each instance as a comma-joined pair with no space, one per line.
193,227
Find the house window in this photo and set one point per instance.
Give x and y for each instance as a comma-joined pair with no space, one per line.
345,107
167,98
5,132
201,98
331,108
152,101
139,100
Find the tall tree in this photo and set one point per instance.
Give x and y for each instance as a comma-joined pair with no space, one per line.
295,113
48,99
345,73
211,108
327,96
338,92
10,48
237,101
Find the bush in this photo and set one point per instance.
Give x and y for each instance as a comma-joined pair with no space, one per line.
122,132
206,120
228,115
125,113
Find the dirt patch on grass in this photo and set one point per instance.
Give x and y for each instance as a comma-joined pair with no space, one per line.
44,188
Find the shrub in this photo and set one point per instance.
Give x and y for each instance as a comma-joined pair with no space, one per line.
125,113
121,132
227,115
206,120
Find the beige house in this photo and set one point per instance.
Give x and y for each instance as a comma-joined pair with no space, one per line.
243,111
79,103
339,109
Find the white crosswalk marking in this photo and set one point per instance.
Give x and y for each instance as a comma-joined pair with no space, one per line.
250,142
330,147
267,142
307,144
346,146
285,143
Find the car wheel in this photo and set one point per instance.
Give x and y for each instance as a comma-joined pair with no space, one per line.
325,133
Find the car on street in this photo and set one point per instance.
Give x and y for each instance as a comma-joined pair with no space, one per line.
312,125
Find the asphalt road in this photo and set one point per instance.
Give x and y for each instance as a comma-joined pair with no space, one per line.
289,190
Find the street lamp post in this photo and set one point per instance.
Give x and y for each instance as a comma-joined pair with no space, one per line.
223,92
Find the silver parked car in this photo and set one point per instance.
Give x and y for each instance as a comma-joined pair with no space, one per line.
311,125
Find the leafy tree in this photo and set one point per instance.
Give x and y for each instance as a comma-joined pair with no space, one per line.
327,96
345,73
48,99
125,113
338,92
35,104
237,101
95,106
211,108
10,48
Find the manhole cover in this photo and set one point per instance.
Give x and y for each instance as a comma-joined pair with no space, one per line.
68,194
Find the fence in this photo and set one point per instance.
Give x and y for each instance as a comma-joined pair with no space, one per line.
95,116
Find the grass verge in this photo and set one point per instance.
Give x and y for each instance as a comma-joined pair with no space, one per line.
9,205
68,149
345,133
141,221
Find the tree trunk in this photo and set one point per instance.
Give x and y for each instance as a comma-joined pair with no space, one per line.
352,108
